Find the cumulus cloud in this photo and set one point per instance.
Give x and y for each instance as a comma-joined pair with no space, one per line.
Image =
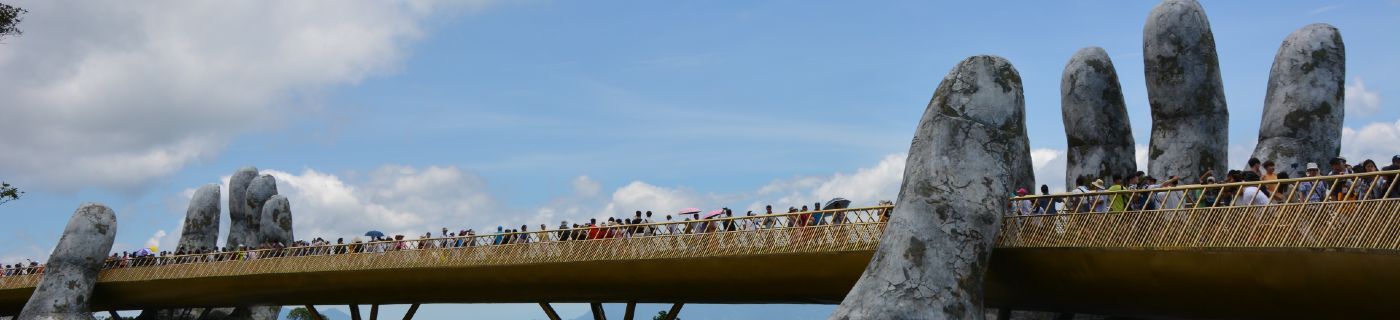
412,200
156,240
116,94
1361,101
1050,166
392,199
1374,141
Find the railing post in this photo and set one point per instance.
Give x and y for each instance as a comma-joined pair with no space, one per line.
675,311
411,310
598,313
549,311
316,314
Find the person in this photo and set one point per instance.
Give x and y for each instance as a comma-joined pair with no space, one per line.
1119,202
1022,206
1251,195
768,219
1253,166
1170,199
1100,202
1311,191
1372,187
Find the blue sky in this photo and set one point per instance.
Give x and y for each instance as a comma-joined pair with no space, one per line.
410,116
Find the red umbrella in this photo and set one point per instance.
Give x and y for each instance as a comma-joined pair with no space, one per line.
714,213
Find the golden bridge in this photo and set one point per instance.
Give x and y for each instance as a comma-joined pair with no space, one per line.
1322,247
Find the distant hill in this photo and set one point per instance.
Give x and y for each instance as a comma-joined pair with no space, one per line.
330,314
722,311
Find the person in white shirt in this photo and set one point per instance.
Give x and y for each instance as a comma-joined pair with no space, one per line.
1251,195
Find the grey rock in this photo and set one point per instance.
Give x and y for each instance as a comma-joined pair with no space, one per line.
255,313
1190,121
260,190
1303,107
200,231
1096,119
201,228
969,153
277,221
66,288
243,221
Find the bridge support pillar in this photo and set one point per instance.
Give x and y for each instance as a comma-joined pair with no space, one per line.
598,311
312,308
374,311
631,311
354,312
114,314
411,310
675,311
549,311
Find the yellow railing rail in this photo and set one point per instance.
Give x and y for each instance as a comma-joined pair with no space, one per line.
1355,211
841,230
1361,186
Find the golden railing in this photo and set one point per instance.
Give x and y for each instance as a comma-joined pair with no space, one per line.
1356,211
841,230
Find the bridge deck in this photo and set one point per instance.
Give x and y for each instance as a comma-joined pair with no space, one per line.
1294,258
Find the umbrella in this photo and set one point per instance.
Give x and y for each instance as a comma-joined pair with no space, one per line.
690,211
713,213
143,252
836,203
375,234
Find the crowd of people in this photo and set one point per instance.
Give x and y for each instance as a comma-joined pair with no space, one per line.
641,224
1217,192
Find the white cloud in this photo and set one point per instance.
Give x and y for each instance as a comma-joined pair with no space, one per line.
156,240
117,94
585,186
1050,166
1376,141
639,195
1140,155
867,186
411,200
1359,100
393,199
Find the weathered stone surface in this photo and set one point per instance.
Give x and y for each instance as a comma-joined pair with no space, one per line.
277,221
200,231
1303,107
1096,119
1189,118
243,222
969,153
66,288
260,190
201,228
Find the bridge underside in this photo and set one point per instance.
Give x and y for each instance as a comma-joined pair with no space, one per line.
1223,283
1230,283
809,278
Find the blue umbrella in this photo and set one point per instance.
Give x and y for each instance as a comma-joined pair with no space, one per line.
375,234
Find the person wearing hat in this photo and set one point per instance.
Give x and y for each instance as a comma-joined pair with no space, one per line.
1313,190
1101,201
1022,206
